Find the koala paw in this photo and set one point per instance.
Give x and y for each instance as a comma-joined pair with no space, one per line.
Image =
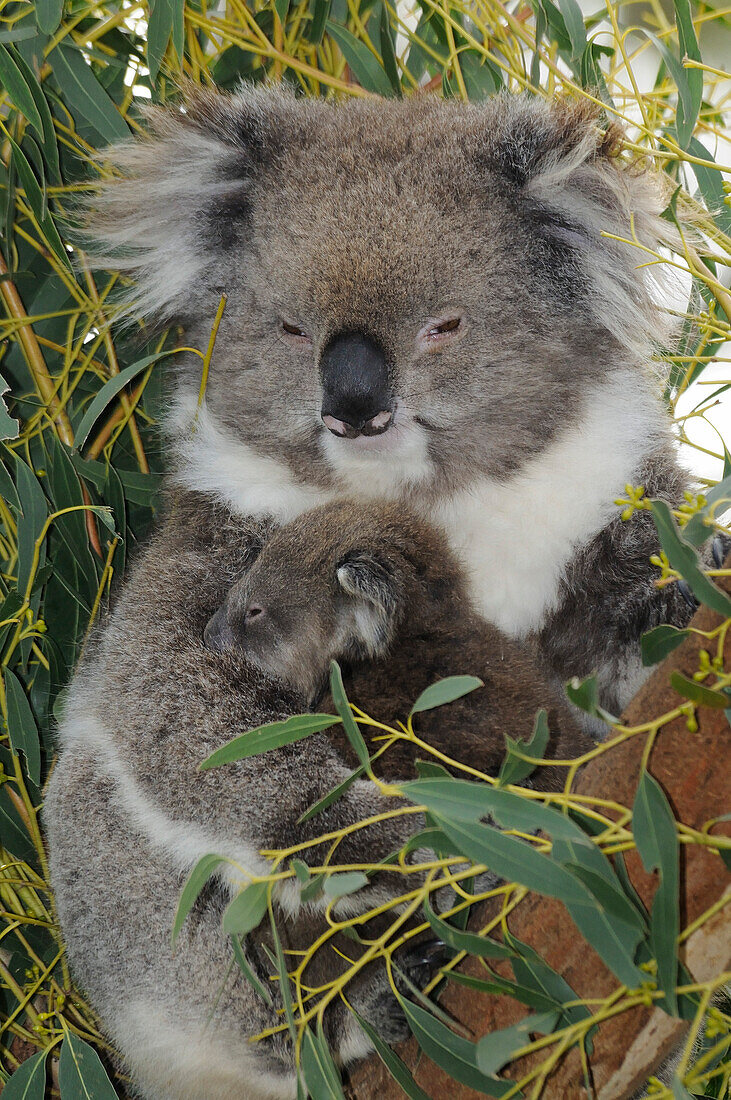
418,963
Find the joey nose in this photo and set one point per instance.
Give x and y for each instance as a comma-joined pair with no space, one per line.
356,390
218,635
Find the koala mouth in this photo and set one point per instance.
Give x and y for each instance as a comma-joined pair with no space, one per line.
377,425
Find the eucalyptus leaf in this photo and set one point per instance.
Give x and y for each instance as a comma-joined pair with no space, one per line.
271,736
342,706
85,95
80,1073
683,557
22,725
392,1062
656,837
367,69
205,867
246,911
455,1055
471,942
656,644
445,691
29,1080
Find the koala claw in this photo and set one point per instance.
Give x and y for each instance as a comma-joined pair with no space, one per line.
421,962
685,591
717,548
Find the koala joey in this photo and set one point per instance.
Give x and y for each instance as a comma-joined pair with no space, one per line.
376,587
128,811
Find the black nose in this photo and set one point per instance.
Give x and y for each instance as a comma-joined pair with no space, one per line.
218,635
356,392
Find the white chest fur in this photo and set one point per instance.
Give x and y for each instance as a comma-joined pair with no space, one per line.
515,537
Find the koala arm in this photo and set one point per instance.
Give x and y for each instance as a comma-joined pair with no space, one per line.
155,703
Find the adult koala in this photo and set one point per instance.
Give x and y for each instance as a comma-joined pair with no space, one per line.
420,304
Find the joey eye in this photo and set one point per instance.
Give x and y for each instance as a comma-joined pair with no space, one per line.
441,331
295,332
254,612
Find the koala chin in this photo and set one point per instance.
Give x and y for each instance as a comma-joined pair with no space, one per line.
430,304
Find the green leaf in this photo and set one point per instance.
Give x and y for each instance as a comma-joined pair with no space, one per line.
584,694
533,972
689,48
514,768
48,134
684,559
610,897
312,889
29,1080
455,1055
22,726
710,182
445,691
388,51
340,885
657,643
48,15
248,971
85,96
679,1090
198,877
342,706
656,837
268,737
481,946
574,22
321,1076
696,531
697,693
331,796
686,114
166,19
517,861
110,390
16,86
81,1076
502,987
497,1048
391,1061
9,427
246,911
284,987
36,201
366,68
320,10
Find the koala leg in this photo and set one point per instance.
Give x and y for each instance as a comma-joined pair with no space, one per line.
179,1017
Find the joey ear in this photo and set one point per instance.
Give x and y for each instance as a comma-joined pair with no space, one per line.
182,194
579,196
374,587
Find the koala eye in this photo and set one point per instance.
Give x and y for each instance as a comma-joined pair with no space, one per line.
295,333
441,331
254,611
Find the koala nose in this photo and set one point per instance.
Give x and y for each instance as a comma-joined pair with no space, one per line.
218,635
356,392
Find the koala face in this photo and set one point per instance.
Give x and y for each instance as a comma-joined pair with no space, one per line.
290,621
401,278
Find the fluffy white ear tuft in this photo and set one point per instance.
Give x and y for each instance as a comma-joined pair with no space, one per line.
601,212
375,594
180,195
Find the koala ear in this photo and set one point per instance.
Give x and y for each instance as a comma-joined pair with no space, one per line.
182,194
576,193
375,590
